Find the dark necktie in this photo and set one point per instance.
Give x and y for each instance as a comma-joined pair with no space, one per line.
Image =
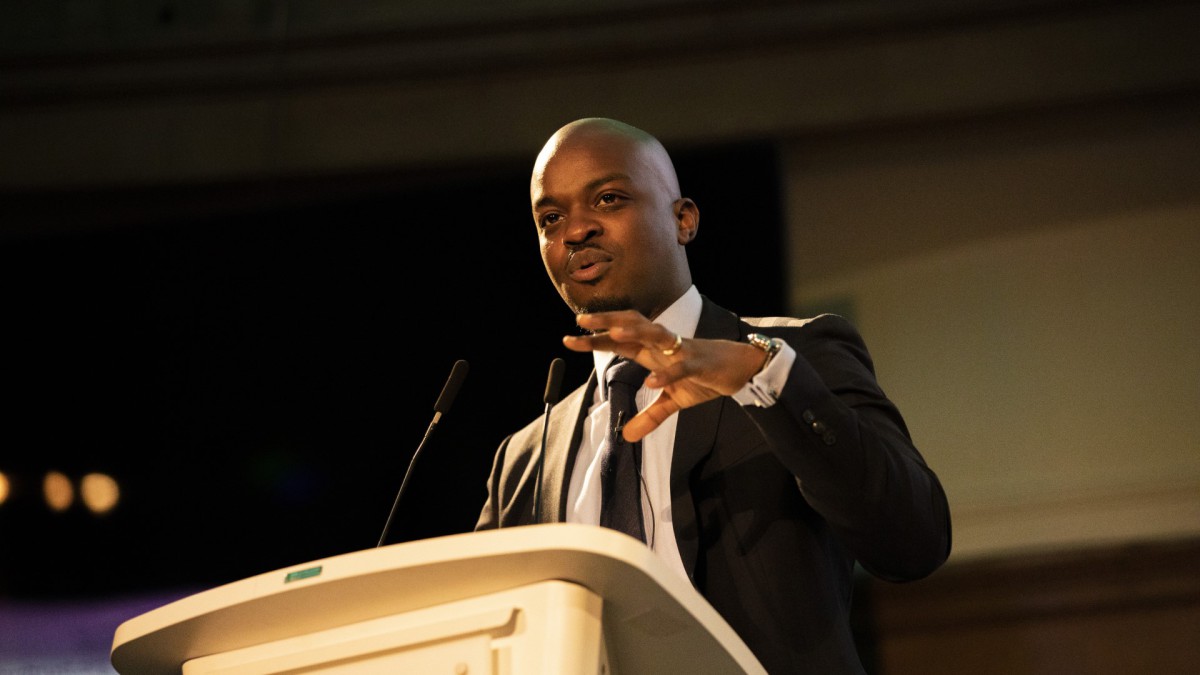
620,466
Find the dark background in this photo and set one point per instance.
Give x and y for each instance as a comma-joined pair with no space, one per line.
257,363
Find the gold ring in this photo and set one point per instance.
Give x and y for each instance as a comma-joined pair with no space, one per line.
674,346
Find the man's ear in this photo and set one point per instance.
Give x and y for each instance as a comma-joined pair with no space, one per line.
687,219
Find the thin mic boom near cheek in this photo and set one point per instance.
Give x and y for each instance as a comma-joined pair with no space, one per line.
553,388
457,374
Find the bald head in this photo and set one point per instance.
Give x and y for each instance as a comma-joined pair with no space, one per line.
604,131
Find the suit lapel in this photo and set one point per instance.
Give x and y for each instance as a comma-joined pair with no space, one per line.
695,437
562,446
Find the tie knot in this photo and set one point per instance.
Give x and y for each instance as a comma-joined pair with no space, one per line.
624,371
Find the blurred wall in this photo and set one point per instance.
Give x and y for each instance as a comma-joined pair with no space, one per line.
111,93
1003,194
1031,294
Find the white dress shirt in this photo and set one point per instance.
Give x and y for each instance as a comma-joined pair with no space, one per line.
583,494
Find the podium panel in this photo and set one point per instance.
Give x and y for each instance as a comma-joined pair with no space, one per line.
552,598
547,627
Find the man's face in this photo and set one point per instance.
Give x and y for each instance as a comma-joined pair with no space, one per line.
605,211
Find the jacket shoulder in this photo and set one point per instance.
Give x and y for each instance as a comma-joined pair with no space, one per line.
833,323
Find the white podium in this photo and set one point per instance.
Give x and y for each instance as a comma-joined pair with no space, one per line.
554,599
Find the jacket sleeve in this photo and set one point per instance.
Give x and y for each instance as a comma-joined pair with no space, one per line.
489,515
510,488
852,456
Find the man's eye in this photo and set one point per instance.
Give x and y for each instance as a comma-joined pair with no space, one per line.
550,219
608,198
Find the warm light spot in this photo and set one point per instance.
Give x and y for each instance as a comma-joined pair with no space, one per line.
99,492
4,488
58,491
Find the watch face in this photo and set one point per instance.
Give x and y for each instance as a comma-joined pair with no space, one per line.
767,344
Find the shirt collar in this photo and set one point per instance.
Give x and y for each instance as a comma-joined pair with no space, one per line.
681,318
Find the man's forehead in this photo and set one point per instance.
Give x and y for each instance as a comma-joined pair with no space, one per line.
592,157
589,144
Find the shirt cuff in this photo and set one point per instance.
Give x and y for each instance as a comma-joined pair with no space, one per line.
763,389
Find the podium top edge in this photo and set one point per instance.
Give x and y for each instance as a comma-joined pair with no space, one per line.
369,583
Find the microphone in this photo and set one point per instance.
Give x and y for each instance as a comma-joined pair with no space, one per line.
457,374
553,382
553,387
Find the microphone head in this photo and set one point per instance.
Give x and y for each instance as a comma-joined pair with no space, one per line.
554,381
457,374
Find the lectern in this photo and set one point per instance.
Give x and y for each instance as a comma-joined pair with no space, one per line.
553,599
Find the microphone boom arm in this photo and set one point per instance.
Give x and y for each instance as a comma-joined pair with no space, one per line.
457,374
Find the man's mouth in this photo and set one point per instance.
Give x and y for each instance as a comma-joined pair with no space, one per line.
588,264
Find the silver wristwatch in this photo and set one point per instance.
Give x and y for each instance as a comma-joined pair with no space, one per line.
769,345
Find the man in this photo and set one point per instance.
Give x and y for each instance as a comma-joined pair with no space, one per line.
771,459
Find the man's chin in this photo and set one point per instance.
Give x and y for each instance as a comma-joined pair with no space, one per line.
598,303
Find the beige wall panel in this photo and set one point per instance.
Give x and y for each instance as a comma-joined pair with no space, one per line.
1051,377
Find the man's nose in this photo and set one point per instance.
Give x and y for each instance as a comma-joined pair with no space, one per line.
581,227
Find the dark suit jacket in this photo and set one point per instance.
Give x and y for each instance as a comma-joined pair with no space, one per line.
772,506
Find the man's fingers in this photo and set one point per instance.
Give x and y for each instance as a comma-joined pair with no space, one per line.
649,419
604,321
603,343
577,343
